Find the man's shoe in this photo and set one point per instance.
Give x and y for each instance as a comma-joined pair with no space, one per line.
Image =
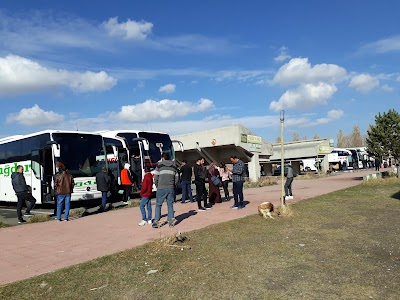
66,220
125,202
240,206
234,207
201,209
172,223
58,220
28,215
21,221
142,223
208,207
287,198
183,202
290,197
155,225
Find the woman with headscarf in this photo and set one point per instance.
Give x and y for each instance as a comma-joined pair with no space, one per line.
225,176
214,195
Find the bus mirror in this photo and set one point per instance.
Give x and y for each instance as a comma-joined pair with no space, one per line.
180,145
55,146
146,145
144,141
115,151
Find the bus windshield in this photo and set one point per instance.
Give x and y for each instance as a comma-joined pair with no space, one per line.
79,153
158,143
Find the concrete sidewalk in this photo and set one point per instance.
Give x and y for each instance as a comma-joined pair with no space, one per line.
38,248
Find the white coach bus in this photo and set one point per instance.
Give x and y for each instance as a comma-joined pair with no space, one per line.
138,148
82,153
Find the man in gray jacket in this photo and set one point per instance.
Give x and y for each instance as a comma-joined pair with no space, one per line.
288,183
166,178
23,194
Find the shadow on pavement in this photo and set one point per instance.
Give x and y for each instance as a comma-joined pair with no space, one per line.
185,215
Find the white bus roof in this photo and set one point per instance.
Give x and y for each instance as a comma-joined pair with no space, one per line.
341,149
20,137
113,133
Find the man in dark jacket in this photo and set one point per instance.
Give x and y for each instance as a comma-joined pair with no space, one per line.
238,180
103,185
165,178
23,194
186,181
200,182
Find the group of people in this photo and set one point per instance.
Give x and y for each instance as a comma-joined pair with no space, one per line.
167,177
63,188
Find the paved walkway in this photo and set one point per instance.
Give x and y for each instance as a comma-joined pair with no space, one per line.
38,248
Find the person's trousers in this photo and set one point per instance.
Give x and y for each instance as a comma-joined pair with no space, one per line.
22,197
66,200
225,187
186,190
161,195
103,200
201,192
127,192
288,186
238,193
146,203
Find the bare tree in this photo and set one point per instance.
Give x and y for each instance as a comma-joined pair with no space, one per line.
356,139
296,137
304,138
315,137
278,140
340,139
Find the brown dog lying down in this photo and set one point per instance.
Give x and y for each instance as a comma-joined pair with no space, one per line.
265,209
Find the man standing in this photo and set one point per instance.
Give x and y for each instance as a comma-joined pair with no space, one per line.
103,185
64,187
200,182
186,181
23,194
288,183
165,178
238,180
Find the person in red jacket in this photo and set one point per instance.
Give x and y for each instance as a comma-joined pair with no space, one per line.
126,182
145,193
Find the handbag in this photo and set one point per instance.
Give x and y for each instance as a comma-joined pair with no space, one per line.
215,180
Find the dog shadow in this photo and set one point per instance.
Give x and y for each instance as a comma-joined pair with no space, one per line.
396,196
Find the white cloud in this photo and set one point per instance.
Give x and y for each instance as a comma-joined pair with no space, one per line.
283,55
129,30
299,70
331,116
168,88
151,110
35,116
363,82
19,75
305,96
387,88
386,45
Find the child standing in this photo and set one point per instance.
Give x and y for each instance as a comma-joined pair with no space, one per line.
145,193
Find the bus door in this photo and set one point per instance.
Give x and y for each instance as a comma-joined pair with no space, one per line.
42,168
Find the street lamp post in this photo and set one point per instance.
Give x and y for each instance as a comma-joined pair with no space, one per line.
282,118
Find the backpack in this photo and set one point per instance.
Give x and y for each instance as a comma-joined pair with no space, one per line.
215,180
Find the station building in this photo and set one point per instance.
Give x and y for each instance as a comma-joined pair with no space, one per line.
219,144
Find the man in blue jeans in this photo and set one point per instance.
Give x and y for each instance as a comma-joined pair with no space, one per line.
238,180
186,182
166,177
103,185
64,187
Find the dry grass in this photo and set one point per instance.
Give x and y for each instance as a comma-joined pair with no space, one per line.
4,225
39,218
381,181
77,213
308,176
134,203
343,245
263,181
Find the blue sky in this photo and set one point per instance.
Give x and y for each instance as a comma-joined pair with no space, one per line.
186,66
